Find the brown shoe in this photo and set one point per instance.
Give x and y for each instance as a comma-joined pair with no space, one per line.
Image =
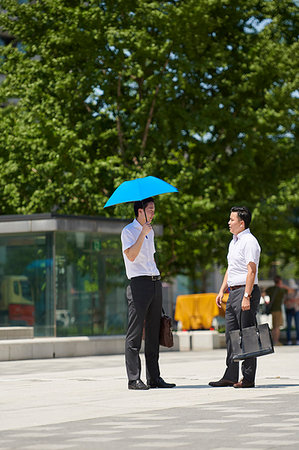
244,384
221,383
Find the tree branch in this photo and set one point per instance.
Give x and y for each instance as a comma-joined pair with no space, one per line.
151,114
118,123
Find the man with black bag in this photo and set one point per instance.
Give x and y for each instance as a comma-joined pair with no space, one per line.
144,299
241,279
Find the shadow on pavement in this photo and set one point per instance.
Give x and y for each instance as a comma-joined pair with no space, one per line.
273,386
260,386
192,386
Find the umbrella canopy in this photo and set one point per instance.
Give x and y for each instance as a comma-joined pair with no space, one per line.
139,189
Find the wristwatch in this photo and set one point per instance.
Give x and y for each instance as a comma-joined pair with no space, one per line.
246,295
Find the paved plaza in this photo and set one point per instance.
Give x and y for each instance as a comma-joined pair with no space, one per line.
84,403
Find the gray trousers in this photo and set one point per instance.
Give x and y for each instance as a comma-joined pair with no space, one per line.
145,305
232,322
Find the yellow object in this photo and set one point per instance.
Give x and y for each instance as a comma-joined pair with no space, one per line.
15,289
196,311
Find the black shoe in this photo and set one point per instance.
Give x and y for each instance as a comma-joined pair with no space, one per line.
221,383
137,385
244,384
160,383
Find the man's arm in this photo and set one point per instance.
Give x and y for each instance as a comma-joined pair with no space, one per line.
251,271
222,290
133,251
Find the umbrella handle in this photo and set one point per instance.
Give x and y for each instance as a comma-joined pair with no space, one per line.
143,207
145,215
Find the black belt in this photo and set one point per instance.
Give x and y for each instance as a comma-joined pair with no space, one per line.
239,286
148,277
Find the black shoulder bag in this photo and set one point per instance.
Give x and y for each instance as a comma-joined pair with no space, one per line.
251,341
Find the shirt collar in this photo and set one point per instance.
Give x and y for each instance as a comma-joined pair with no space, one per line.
240,235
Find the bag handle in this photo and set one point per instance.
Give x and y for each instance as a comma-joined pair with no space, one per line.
256,324
256,328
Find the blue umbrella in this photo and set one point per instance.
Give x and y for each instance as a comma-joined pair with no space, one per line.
40,264
139,189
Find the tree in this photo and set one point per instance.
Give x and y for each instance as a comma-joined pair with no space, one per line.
201,94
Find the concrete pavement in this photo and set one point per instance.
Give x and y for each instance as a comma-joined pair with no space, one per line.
84,403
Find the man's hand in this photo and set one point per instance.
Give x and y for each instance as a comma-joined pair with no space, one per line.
219,299
222,290
146,228
133,251
245,304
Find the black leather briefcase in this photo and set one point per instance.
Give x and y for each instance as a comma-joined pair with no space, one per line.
251,341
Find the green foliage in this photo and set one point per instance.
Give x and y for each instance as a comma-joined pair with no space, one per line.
201,94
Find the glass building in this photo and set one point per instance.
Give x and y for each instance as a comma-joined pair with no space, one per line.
63,275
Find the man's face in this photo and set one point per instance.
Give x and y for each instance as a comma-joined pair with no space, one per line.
235,224
150,212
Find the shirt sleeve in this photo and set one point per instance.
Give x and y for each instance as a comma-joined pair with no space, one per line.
252,252
127,239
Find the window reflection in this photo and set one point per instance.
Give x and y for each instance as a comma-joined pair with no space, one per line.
25,299
90,285
81,293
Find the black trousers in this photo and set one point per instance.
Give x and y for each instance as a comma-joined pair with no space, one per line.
232,322
144,306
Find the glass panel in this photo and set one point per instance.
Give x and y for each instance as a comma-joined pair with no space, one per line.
16,287
91,282
26,282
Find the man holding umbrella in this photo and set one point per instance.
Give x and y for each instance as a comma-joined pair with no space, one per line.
144,298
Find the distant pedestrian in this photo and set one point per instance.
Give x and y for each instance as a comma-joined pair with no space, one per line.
292,310
144,299
262,315
241,279
277,294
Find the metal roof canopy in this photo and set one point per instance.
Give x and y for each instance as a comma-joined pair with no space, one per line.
36,223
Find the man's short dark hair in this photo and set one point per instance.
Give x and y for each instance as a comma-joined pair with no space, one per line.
277,279
142,204
243,214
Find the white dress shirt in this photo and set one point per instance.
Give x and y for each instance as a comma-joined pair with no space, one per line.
243,249
144,263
